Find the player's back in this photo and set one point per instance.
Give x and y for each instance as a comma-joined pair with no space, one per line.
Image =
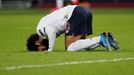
57,19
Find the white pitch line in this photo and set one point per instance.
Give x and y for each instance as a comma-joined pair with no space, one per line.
66,63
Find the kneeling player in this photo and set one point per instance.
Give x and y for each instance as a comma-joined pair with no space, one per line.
76,23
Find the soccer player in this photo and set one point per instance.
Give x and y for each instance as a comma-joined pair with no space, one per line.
76,22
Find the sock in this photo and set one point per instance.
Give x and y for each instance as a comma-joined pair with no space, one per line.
94,46
83,44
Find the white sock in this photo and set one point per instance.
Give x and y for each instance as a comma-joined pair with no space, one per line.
83,44
94,46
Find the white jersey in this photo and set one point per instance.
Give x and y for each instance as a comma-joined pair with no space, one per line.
54,24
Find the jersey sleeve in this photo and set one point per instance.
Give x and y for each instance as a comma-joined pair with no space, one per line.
51,34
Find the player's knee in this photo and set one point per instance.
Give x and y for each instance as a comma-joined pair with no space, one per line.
70,48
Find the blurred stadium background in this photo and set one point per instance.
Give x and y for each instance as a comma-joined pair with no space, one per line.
18,19
26,4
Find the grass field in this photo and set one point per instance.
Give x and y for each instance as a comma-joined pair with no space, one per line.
17,25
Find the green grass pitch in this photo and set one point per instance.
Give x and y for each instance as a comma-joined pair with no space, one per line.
17,25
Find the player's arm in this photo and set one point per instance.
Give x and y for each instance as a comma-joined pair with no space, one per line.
51,34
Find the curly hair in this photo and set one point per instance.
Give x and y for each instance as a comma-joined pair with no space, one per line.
31,46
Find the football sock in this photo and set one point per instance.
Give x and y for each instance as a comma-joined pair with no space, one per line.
83,44
94,46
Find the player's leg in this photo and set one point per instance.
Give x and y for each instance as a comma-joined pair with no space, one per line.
87,43
93,47
72,38
79,26
76,26
77,43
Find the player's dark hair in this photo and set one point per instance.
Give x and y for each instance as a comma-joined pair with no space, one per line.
31,42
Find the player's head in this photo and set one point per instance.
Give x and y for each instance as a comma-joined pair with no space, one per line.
35,43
